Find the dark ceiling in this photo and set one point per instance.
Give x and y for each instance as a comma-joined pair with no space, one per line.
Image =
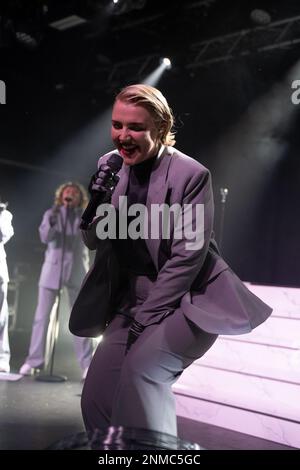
226,56
122,43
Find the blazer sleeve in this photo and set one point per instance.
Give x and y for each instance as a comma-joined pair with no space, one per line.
89,236
179,271
47,232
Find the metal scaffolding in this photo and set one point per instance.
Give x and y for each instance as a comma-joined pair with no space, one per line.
276,35
246,42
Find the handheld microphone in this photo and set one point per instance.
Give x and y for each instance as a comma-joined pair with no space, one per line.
114,162
68,200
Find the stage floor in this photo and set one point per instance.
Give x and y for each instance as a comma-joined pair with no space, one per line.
35,414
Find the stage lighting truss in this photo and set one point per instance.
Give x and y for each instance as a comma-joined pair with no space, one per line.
125,6
277,35
26,40
132,70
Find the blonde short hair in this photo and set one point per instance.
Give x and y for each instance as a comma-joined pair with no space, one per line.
155,102
59,192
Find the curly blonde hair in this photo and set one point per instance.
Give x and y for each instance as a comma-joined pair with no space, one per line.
59,192
155,102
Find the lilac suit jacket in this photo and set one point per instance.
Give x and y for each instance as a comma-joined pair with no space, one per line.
198,281
76,257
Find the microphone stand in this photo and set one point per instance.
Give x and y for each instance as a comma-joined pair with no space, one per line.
224,194
55,327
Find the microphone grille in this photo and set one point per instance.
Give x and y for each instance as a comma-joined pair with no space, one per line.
115,162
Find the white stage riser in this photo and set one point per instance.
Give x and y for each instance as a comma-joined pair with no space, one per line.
251,383
284,300
237,389
275,331
254,424
263,360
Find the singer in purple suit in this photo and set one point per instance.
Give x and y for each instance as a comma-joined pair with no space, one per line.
61,268
165,300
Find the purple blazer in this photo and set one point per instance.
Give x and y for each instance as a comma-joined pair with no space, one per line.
76,257
199,281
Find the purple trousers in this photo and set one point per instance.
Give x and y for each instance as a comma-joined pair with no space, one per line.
135,390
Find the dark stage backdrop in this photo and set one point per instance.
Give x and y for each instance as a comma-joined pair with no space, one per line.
51,132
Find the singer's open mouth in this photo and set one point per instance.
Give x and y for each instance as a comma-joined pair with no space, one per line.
128,150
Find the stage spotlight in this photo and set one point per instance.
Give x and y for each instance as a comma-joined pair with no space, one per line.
167,63
115,1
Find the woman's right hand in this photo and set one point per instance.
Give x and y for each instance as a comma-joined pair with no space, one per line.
103,180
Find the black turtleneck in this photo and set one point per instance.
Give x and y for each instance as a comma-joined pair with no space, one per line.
139,182
133,255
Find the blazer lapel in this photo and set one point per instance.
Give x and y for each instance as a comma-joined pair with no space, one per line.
157,193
